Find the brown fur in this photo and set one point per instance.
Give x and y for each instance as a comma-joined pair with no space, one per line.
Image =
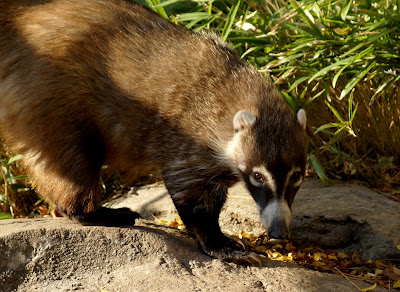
87,83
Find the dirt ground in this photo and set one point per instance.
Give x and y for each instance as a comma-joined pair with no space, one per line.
59,255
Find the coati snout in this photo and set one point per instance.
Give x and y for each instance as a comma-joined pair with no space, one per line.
91,83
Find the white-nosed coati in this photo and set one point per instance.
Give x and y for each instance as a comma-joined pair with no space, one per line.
95,82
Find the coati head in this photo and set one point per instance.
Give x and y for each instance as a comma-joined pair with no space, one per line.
269,150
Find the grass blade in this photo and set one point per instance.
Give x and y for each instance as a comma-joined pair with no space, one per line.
318,168
353,82
306,18
345,10
5,216
165,3
190,16
339,63
335,112
383,87
326,126
14,158
155,5
291,102
231,18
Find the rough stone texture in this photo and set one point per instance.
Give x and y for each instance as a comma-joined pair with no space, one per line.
59,255
347,216
341,216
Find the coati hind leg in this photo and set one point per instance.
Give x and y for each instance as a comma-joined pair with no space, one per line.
199,208
69,178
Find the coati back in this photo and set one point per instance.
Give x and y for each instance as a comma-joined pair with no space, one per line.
88,83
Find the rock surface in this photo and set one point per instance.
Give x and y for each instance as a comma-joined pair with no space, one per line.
342,216
347,216
59,255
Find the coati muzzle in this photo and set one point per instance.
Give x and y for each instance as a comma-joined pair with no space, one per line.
276,218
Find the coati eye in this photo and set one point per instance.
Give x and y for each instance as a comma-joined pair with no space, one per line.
258,177
295,176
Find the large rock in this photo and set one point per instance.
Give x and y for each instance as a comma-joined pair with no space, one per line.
341,216
347,216
59,255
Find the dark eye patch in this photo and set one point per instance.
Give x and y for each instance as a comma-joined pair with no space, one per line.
295,176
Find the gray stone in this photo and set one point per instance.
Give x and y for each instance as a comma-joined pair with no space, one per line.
341,216
59,255
349,217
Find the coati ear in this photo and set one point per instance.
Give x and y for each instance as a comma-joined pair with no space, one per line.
243,119
301,118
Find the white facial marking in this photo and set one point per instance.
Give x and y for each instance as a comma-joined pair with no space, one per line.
275,210
267,176
234,152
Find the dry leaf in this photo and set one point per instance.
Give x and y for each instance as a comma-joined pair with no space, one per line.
396,270
332,257
316,258
43,210
380,264
389,271
384,284
342,255
277,246
369,288
289,246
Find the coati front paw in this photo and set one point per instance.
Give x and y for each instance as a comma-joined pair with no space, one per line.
230,252
104,217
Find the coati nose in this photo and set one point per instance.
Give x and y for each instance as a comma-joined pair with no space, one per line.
278,229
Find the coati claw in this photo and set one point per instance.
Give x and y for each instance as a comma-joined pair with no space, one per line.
228,251
239,241
256,258
251,259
